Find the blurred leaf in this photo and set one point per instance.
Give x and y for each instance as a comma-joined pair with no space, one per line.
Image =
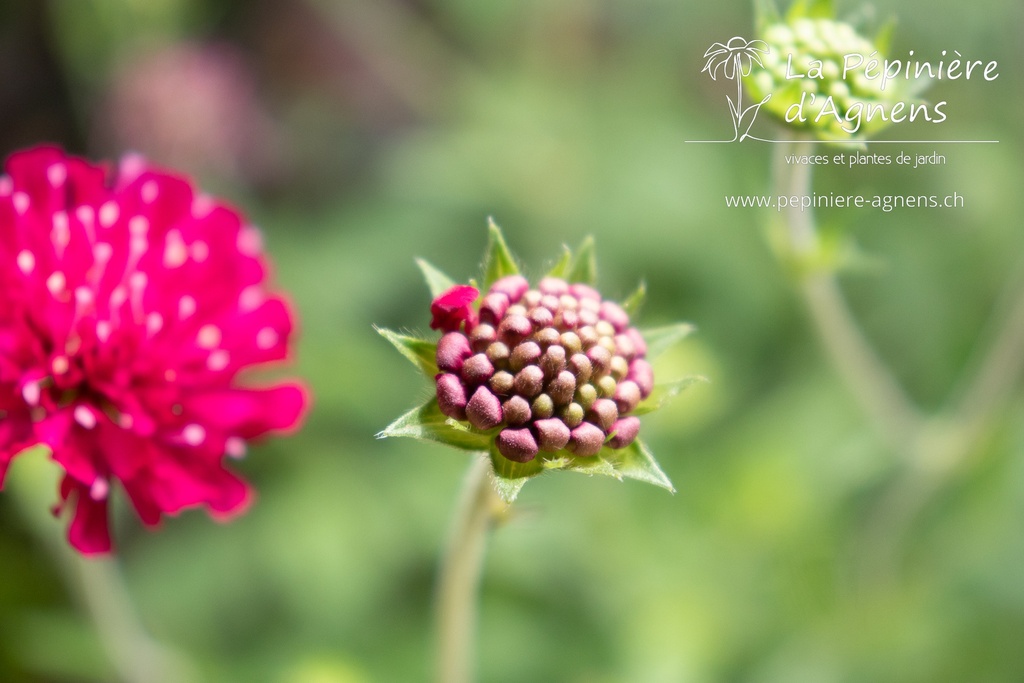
499,261
561,268
883,37
663,393
811,9
636,462
766,14
421,352
428,423
635,300
660,339
584,264
438,282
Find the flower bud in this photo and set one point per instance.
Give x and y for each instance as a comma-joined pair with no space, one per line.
600,359
562,388
484,409
451,396
614,314
570,341
619,368
512,286
546,337
639,345
603,413
517,444
624,346
477,369
452,349
572,414
542,407
482,336
580,366
582,291
586,395
553,360
527,353
552,434
586,440
624,431
532,298
553,285
551,302
627,396
605,329
513,329
529,381
493,307
502,383
640,371
516,411
541,317
567,319
606,386
588,336
498,354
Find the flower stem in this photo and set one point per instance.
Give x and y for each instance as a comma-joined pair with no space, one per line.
871,383
461,567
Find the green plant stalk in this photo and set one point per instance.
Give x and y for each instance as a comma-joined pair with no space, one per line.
458,585
95,583
870,382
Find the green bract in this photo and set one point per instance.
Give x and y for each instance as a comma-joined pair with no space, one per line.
533,407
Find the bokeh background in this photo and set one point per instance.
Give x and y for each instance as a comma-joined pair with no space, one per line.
360,134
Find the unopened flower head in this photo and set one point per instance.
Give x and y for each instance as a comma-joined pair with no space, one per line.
129,304
550,367
826,78
544,377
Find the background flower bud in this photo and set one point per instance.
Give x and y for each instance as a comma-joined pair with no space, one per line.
517,444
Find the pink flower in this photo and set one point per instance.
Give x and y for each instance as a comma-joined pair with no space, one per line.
454,307
129,305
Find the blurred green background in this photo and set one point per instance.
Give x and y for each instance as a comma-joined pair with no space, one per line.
360,134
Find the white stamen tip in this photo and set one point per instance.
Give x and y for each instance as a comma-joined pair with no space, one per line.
99,489
267,338
208,337
31,393
193,434
250,298
60,365
109,213
200,251
186,307
21,202
103,330
102,252
26,261
218,360
235,447
138,226
154,323
250,241
57,174
56,283
150,190
84,416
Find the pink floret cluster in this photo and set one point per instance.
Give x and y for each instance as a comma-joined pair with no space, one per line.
550,368
129,306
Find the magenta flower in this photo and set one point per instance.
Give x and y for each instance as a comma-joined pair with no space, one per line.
129,305
454,307
544,378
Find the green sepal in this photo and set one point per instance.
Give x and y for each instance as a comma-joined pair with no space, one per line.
635,300
498,262
428,423
663,393
561,267
660,339
422,352
636,462
437,281
510,476
584,264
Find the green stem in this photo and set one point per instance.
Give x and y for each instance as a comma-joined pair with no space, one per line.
461,568
870,382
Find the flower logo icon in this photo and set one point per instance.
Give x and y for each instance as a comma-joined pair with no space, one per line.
735,59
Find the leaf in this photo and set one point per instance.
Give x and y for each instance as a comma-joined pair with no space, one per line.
510,476
561,268
438,282
811,9
597,464
663,393
766,14
635,300
584,264
428,423
498,262
883,38
421,352
637,462
660,339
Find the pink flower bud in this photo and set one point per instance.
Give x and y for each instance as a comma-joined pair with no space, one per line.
600,360
552,434
516,411
452,350
517,444
529,381
603,413
639,345
582,291
476,369
482,336
614,314
512,286
586,440
454,307
562,388
493,307
514,328
553,285
484,409
640,371
624,431
451,396
527,353
627,396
